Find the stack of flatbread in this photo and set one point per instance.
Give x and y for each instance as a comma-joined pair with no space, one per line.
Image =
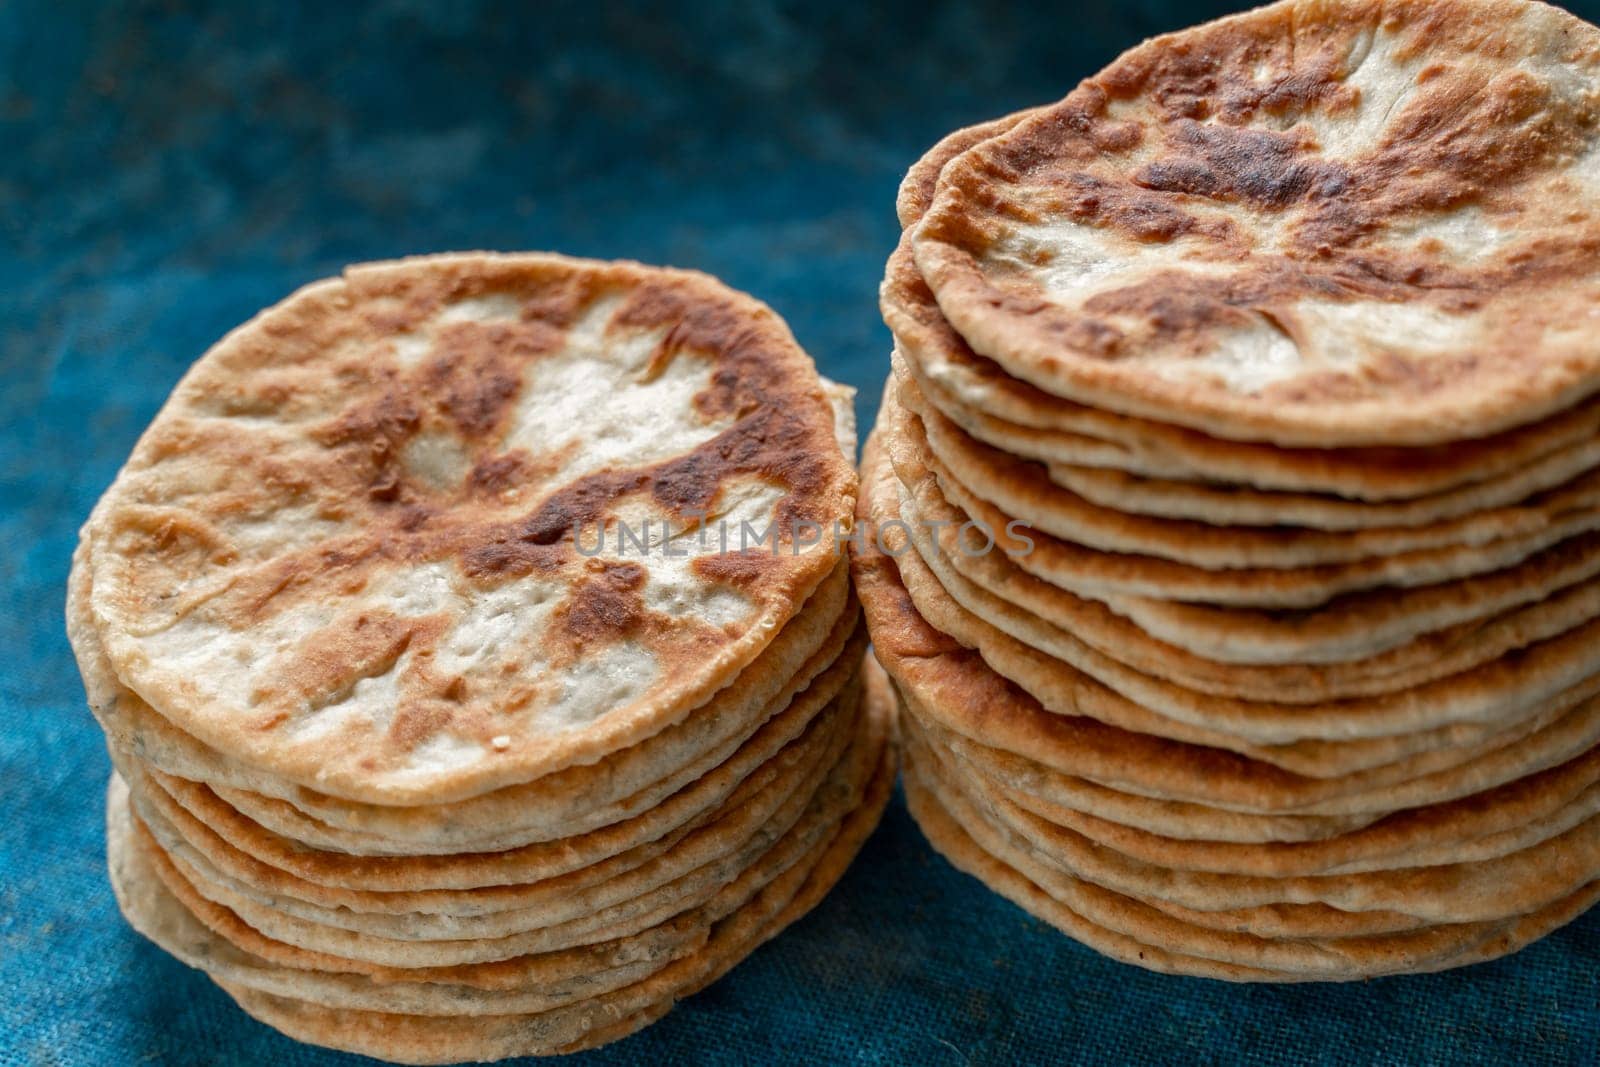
1237,492
449,724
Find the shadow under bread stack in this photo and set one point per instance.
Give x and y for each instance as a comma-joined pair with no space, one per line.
1236,493
446,728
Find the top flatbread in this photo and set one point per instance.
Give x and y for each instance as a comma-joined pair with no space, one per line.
344,552
1332,223
1013,415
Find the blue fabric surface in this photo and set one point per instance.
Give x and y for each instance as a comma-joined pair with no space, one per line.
167,169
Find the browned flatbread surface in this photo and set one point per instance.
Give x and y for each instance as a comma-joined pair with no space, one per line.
1324,222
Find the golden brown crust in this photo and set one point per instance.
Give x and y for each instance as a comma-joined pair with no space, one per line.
917,187
1325,222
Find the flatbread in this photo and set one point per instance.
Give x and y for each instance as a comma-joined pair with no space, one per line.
762,799
1175,819
1333,489
1311,939
1024,490
1231,506
531,863
1484,890
917,187
627,916
1484,826
949,684
1333,737
1016,417
547,807
1117,576
1448,626
344,552
508,909
153,910
422,1039
1355,946
1102,691
1093,471
1069,677
935,531
947,837
1349,222
580,1014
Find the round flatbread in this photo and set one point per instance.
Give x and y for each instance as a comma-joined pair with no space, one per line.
1321,223
374,542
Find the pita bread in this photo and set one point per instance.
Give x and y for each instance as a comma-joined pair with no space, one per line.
514,973
950,685
549,980
1273,664
517,815
1088,469
1275,485
1235,506
1179,820
1024,490
1448,626
1354,949
1232,504
917,187
935,531
1122,578
1335,737
510,909
401,746
1016,417
375,591
530,863
948,837
1474,891
1085,682
1313,939
1402,258
763,799
616,1002
1061,688
1488,825
422,1039
1484,826
985,401
1365,624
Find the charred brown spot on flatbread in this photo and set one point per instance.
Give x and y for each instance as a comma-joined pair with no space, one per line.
605,604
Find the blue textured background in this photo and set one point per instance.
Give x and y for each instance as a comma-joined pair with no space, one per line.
167,169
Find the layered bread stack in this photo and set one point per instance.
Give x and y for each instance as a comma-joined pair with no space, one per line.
452,719
1236,493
